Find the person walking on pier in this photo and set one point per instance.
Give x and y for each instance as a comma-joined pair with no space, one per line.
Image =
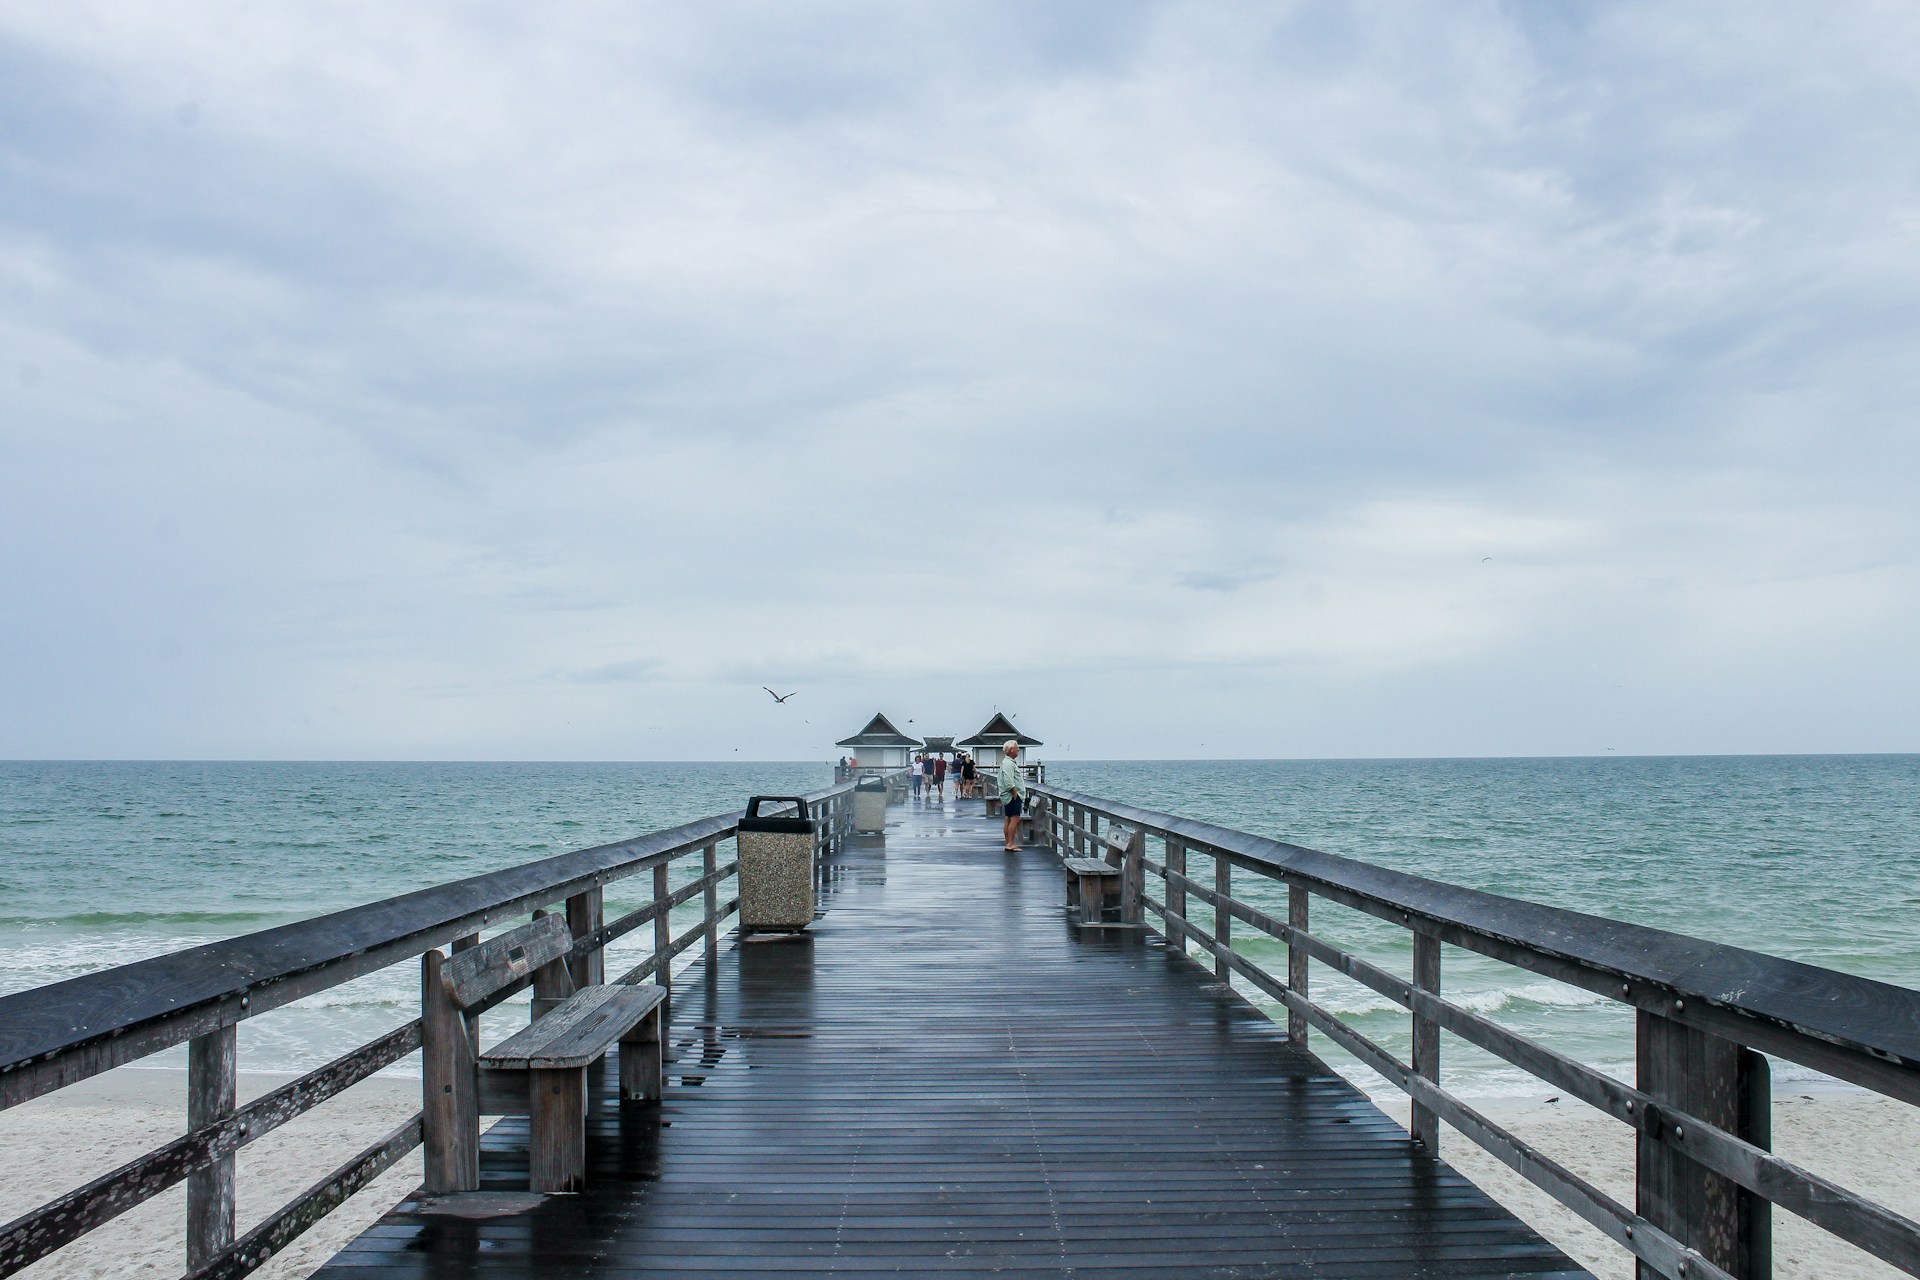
919,763
940,778
967,774
1013,792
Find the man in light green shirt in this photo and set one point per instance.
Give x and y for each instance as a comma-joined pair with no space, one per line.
1013,792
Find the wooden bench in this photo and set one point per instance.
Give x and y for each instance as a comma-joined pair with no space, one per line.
541,1071
1109,884
1093,889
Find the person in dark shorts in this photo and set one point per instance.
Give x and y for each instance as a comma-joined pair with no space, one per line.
1013,793
940,778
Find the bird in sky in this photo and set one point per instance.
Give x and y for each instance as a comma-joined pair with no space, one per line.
778,697
1484,559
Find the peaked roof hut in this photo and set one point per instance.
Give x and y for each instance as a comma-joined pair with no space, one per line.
995,734
939,746
998,732
880,744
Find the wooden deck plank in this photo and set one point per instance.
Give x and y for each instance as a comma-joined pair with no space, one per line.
948,1079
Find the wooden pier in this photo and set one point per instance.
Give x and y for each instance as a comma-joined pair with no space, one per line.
951,1072
946,1078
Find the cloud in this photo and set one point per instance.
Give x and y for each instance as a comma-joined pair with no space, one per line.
633,670
383,382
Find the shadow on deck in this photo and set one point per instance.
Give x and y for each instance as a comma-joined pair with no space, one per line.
946,1080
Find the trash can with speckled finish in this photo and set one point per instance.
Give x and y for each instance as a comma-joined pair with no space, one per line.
776,865
870,806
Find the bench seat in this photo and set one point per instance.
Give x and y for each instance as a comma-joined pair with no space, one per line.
540,1071
578,1032
1088,883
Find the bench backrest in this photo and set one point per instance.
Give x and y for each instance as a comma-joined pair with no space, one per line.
478,972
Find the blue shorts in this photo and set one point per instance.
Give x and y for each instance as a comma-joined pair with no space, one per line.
1012,806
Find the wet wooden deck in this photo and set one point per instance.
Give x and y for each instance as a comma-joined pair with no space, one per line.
948,1081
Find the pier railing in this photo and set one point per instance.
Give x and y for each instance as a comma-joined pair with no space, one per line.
1705,1016
60,1034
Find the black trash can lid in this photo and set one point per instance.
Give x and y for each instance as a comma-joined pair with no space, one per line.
788,823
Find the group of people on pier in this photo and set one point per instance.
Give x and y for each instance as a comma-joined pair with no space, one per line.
930,774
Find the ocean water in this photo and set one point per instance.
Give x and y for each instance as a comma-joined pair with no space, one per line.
1816,858
103,863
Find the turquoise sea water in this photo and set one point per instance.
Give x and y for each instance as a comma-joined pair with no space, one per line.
1816,858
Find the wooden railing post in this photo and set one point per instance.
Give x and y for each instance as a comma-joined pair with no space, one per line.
710,863
212,1091
1222,914
1176,892
663,943
1133,878
552,984
449,1088
1426,1039
1298,972
1718,1082
586,912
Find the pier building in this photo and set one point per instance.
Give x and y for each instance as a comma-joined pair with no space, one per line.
880,746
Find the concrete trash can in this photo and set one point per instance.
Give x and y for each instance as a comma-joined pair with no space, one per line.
776,866
870,806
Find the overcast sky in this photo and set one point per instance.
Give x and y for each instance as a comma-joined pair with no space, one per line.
1293,379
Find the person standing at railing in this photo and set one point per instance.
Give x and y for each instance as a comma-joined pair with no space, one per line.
1013,793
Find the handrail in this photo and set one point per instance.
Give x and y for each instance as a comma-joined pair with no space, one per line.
1705,1176
64,1032
1859,1029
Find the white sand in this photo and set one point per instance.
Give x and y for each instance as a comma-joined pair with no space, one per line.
56,1143
53,1144
1862,1142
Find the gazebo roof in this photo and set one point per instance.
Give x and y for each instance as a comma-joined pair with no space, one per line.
879,733
939,746
997,732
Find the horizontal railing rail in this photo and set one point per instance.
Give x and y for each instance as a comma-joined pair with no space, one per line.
60,1034
1706,1012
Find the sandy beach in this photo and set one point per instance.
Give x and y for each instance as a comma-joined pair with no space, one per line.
1863,1142
56,1143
